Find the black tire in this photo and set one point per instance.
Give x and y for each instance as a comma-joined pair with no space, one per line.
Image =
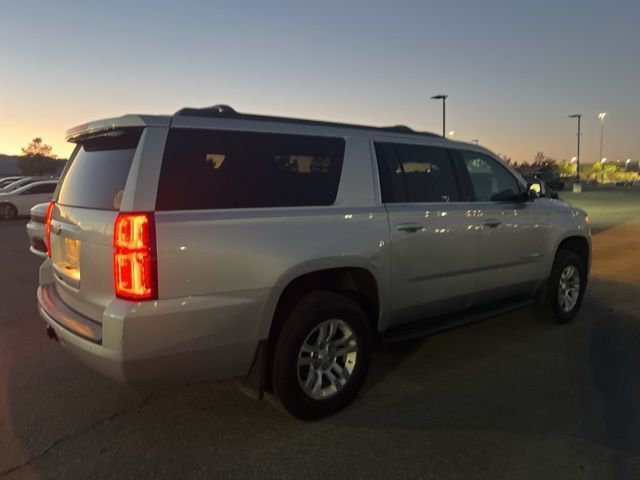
7,211
314,310
549,306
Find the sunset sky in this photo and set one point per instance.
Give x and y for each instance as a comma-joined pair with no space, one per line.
513,70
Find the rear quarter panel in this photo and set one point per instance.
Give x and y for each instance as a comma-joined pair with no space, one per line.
213,252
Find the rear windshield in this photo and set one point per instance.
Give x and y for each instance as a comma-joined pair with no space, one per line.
98,171
210,169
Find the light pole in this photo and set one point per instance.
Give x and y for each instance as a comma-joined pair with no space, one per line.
602,116
444,111
578,116
476,141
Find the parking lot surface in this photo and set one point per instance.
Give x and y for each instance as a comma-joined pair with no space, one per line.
509,397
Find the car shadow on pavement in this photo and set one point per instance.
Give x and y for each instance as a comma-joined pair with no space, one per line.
519,375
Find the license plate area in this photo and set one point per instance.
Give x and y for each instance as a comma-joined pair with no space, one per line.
65,255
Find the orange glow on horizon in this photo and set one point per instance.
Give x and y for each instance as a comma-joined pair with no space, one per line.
14,138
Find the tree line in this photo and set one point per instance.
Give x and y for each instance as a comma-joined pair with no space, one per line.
600,172
38,159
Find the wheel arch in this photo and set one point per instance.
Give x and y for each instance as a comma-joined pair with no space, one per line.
579,244
356,281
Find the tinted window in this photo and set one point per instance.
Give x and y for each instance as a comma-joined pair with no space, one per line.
491,181
46,188
98,171
207,169
416,173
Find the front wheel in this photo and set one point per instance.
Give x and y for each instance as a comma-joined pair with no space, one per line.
565,288
322,355
8,211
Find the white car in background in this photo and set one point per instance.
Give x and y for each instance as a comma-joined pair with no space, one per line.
19,201
21,182
8,180
36,230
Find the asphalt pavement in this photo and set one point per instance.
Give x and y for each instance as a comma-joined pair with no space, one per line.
509,397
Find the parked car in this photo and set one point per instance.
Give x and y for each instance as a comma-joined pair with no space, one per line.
213,244
36,229
21,183
19,201
8,180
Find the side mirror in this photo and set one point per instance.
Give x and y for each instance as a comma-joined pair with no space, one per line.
536,190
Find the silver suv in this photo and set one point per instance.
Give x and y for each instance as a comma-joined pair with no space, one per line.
211,244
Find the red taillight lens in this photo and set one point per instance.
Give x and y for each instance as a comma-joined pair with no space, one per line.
134,256
47,227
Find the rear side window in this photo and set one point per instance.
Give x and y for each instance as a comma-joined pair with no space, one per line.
210,169
416,173
98,171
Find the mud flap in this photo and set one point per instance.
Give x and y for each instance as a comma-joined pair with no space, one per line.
253,383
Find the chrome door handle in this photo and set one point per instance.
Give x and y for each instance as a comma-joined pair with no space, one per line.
409,227
492,223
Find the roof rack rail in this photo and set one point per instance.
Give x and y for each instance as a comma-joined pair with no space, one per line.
215,111
399,129
225,111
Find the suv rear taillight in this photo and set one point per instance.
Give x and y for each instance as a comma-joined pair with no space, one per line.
134,256
47,227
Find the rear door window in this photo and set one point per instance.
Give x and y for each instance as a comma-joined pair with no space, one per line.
416,173
98,171
211,169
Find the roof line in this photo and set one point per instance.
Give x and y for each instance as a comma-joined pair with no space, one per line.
224,111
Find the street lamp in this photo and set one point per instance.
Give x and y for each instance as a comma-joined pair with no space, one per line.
626,164
451,132
603,160
476,141
444,110
577,157
602,116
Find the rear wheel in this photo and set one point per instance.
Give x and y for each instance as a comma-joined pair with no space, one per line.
322,355
565,288
8,211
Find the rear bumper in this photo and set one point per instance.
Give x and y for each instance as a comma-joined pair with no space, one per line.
163,341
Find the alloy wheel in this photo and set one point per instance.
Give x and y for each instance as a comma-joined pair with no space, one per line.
569,288
6,211
327,358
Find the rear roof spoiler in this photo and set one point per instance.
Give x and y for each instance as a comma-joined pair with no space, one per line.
99,127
